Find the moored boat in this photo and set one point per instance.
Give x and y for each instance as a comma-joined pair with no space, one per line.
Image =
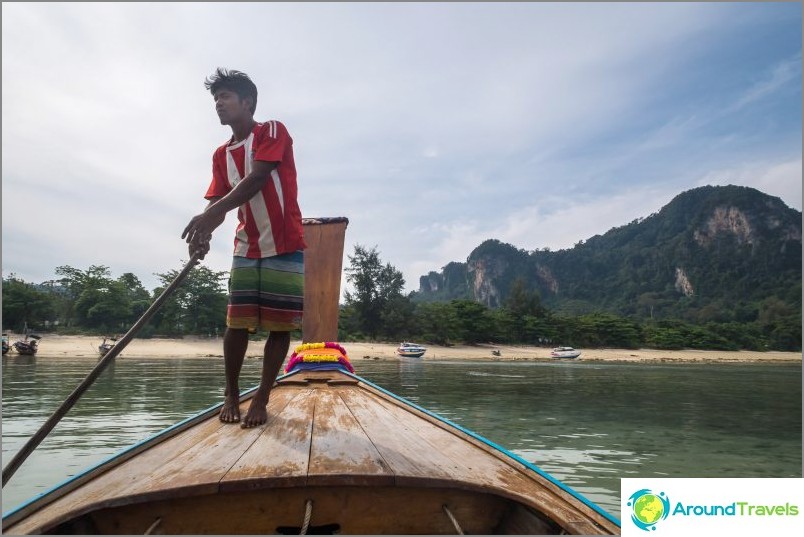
28,346
565,352
105,347
6,346
410,350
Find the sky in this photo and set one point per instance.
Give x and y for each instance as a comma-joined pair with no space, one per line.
431,126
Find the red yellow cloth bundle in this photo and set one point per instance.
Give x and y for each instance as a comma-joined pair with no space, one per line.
319,356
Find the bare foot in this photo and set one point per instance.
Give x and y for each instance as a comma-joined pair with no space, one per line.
257,413
230,412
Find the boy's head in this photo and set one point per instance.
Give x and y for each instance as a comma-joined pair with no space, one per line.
235,81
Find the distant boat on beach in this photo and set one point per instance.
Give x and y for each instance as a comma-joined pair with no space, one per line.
104,347
28,346
410,350
565,352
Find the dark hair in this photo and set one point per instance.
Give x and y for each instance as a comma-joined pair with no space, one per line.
235,81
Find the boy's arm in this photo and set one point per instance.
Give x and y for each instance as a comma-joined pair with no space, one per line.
202,225
200,244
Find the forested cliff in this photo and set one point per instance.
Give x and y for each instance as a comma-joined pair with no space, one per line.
713,254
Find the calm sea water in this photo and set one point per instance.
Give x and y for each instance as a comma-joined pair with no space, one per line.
588,424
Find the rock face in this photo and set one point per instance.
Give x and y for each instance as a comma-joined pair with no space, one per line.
546,278
720,248
483,274
729,220
683,284
432,283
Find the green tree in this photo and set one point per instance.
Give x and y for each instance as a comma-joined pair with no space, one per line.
107,307
92,299
397,318
374,285
437,323
607,330
784,334
525,307
139,297
23,303
472,321
522,301
197,306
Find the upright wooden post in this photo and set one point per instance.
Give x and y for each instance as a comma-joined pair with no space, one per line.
323,264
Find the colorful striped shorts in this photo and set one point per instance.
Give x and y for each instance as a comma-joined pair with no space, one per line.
267,293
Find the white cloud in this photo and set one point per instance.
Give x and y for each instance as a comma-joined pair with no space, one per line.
559,223
780,179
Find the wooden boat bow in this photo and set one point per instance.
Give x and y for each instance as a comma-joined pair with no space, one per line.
369,462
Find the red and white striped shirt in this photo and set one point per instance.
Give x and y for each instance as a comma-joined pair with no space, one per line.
270,222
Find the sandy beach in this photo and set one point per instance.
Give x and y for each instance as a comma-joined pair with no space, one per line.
54,346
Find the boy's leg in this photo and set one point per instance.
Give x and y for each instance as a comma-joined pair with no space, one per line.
276,349
281,284
242,315
235,344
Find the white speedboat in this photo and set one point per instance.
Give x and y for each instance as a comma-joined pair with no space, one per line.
410,350
565,352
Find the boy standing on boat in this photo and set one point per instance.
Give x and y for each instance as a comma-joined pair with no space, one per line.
254,172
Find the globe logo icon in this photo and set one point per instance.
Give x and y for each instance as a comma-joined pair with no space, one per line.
648,508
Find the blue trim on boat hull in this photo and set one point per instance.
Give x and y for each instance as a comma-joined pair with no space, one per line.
124,452
501,449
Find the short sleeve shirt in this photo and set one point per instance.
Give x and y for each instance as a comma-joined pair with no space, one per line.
270,222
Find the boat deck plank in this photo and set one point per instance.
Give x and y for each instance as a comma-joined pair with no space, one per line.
281,453
209,460
341,450
406,453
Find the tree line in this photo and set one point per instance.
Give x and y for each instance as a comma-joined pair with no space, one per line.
92,302
375,308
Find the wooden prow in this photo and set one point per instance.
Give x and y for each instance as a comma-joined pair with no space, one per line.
323,263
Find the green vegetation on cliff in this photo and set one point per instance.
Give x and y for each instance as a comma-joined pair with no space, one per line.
717,257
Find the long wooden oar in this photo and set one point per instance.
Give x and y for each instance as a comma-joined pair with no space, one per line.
45,429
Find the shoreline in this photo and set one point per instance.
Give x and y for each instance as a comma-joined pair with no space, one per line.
58,346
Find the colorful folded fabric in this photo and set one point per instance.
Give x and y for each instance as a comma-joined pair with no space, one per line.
319,356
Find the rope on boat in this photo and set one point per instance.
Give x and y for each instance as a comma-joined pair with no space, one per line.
153,526
452,519
308,514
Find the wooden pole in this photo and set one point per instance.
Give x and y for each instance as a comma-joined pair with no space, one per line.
323,265
51,422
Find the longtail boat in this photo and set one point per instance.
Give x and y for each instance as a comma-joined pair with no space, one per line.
338,454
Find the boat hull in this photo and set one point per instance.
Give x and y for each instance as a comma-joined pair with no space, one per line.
27,350
411,354
359,459
565,354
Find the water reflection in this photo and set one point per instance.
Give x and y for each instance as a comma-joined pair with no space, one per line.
411,371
